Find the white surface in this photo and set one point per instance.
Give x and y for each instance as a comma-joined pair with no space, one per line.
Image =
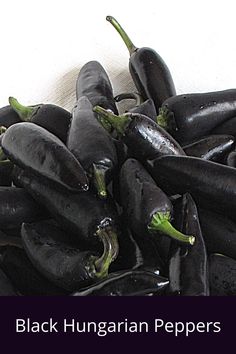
45,43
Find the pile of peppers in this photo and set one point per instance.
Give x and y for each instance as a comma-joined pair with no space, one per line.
99,202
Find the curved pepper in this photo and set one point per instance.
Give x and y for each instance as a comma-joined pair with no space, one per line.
91,220
67,266
148,70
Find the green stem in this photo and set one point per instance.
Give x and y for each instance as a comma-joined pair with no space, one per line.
111,249
24,112
161,222
119,123
107,126
99,179
166,119
129,44
6,161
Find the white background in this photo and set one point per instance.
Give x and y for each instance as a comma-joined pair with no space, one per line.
45,43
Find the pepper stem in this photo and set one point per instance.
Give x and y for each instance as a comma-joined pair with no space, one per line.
161,222
24,112
166,119
6,162
105,124
119,123
99,179
129,44
111,249
129,96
